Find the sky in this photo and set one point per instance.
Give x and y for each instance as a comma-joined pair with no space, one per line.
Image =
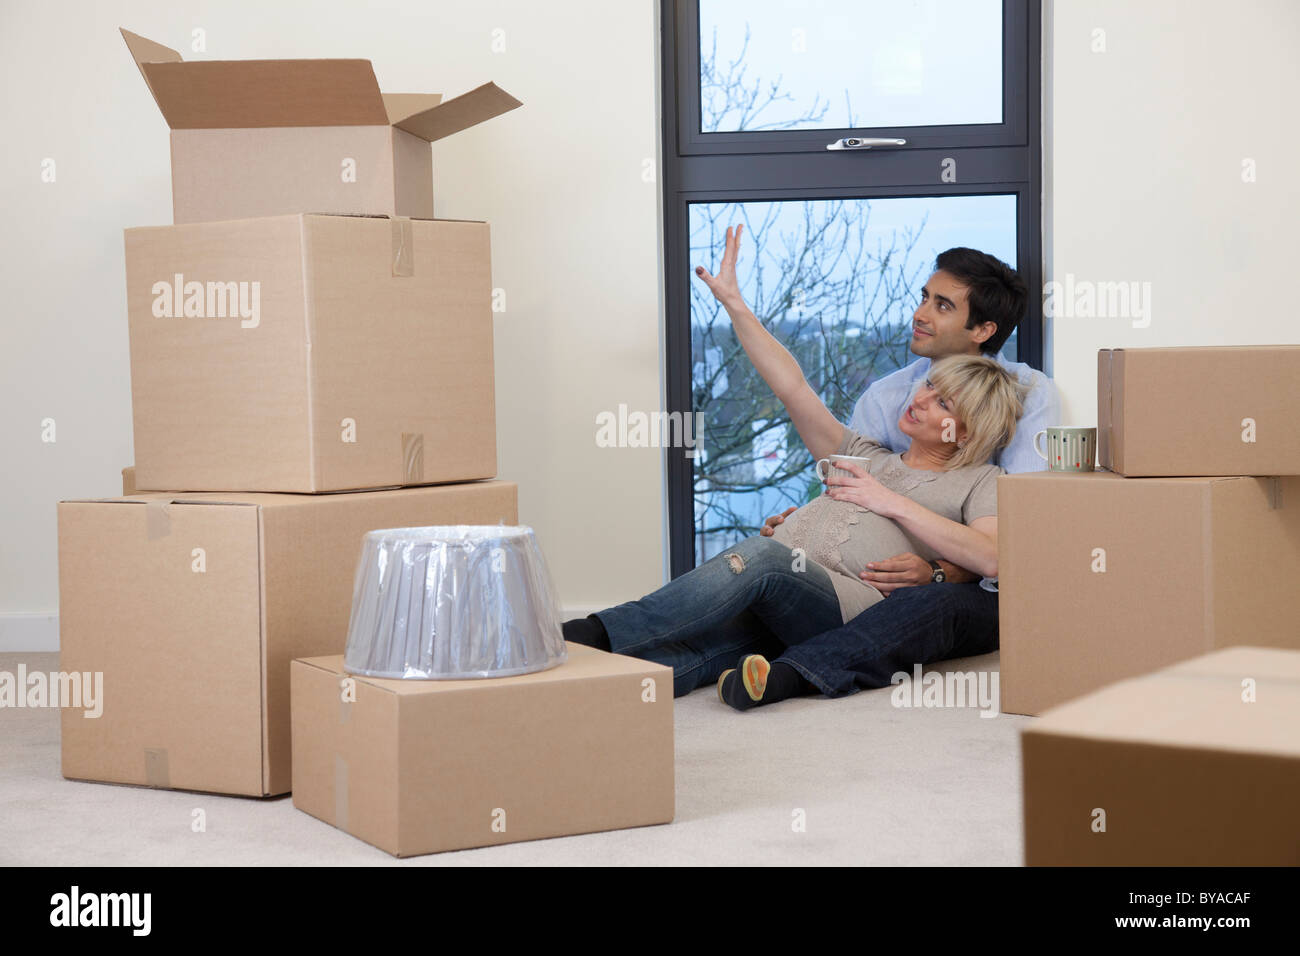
902,62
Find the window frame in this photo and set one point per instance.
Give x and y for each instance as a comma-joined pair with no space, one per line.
760,166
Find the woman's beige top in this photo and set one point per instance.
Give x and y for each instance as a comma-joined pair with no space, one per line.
843,537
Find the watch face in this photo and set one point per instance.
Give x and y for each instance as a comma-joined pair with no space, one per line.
937,576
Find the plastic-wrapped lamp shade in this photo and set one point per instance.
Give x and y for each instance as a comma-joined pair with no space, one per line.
452,602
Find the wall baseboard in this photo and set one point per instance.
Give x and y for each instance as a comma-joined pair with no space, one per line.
580,610
29,631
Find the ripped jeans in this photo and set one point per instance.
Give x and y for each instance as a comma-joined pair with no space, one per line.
747,600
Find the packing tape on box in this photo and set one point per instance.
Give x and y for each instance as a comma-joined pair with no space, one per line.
403,247
340,792
413,457
1274,494
157,519
155,768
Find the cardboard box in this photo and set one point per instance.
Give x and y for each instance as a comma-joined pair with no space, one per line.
1195,765
265,137
1199,411
192,607
128,480
418,767
311,353
1104,577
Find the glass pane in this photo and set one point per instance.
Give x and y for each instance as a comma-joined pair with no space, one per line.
858,64
836,281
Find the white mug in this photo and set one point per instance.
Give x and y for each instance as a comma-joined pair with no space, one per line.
1068,448
863,463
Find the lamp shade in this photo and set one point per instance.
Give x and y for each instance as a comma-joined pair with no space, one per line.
452,602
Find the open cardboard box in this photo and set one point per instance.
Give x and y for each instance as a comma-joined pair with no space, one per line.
264,137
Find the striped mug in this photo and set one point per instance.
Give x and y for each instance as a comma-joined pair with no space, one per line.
1068,449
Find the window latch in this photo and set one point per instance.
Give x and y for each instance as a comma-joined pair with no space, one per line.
858,142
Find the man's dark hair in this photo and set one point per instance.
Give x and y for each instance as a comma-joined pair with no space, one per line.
996,293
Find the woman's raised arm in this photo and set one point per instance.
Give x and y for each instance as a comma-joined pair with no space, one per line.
820,430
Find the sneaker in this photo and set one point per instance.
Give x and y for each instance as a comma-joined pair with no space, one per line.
753,671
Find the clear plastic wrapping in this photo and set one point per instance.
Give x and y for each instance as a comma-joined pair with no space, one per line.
452,602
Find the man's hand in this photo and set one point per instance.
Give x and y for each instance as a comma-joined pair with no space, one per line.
769,526
900,571
724,286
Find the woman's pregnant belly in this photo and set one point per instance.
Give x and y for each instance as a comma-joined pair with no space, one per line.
842,536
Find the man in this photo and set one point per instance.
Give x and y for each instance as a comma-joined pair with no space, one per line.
970,305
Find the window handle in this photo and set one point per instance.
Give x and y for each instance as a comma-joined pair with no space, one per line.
857,142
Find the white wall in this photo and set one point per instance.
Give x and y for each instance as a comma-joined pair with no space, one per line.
574,239
1143,148
1143,145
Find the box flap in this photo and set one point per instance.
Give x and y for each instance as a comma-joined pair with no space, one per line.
247,94
147,51
459,112
244,94
400,106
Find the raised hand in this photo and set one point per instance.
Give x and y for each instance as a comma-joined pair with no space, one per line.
724,286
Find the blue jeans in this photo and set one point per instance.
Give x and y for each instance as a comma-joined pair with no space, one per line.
914,625
746,600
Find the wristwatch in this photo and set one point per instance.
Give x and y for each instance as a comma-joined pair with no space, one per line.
936,575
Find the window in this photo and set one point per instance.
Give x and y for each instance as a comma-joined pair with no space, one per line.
837,241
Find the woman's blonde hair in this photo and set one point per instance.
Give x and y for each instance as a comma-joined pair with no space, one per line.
986,397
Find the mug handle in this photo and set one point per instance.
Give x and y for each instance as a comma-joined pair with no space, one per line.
1041,454
818,469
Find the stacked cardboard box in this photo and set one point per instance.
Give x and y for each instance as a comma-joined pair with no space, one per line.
1197,764
284,340
1188,544
424,766
311,358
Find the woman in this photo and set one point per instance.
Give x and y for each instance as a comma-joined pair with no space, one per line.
765,594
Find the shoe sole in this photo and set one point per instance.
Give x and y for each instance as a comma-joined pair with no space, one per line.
753,671
721,678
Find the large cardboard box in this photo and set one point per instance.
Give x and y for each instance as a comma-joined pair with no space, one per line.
1104,577
1195,765
415,766
310,353
192,606
1199,411
264,137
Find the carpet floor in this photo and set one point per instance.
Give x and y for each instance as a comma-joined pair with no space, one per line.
873,784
